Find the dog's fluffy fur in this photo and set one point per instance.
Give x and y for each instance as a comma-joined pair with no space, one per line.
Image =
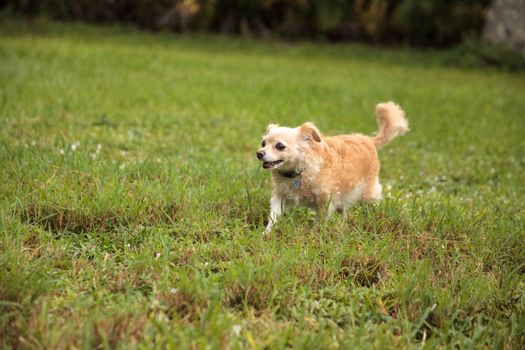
319,172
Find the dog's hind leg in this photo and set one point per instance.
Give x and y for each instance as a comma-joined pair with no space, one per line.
373,190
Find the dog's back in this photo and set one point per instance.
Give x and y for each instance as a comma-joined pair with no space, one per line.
349,170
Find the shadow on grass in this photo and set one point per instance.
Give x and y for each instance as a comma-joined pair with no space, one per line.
61,219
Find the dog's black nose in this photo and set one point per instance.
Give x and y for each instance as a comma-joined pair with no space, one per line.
260,154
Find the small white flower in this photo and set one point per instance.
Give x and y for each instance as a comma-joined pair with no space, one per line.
432,189
236,329
157,256
154,304
173,290
33,143
161,317
122,166
98,148
75,145
61,151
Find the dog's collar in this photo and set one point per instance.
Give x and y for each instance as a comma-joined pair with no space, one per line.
290,174
297,180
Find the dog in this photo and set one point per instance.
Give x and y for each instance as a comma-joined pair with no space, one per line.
326,173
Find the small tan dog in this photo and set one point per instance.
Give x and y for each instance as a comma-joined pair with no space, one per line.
319,172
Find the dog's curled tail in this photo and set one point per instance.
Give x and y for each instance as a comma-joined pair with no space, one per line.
392,122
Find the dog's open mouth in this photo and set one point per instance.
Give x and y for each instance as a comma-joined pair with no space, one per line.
269,165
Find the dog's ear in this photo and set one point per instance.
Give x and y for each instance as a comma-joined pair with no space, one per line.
270,127
309,132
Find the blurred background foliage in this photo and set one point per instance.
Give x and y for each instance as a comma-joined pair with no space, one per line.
455,24
434,23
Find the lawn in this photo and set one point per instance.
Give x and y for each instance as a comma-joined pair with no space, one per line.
132,207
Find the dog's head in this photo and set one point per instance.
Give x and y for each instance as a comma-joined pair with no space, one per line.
284,148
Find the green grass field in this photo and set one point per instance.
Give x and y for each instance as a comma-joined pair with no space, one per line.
132,205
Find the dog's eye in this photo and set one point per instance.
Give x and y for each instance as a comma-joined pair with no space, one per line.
280,146
263,143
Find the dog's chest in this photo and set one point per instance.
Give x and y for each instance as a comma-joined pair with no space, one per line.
299,191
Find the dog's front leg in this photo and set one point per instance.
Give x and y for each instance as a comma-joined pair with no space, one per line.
277,206
325,211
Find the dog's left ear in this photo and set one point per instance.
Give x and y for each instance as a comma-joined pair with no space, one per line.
310,132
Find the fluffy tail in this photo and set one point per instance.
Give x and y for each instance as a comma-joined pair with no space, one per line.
392,122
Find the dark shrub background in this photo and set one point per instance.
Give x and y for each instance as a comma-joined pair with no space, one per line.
435,23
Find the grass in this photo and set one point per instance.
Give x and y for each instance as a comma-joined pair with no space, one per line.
132,206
